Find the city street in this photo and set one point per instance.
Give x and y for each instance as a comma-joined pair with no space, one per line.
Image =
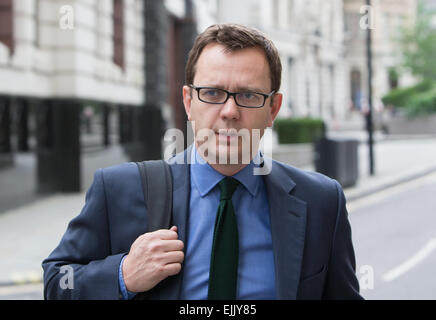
394,234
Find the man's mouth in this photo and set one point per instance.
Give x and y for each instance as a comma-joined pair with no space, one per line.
227,132
227,135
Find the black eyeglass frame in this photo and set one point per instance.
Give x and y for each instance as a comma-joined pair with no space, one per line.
232,94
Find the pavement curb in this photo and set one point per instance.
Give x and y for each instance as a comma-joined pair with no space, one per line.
21,279
17,284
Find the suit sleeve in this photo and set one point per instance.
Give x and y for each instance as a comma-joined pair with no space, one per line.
341,282
82,266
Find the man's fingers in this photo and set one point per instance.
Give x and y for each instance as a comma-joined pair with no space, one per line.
172,269
168,245
174,257
165,234
174,245
160,246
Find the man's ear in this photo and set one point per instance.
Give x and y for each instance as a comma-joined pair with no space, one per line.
275,108
187,99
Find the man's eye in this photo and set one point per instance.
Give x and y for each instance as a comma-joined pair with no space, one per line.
211,93
248,95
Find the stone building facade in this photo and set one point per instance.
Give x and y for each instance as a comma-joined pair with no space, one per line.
123,58
126,59
75,49
387,18
309,37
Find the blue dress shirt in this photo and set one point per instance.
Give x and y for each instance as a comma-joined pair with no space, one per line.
256,275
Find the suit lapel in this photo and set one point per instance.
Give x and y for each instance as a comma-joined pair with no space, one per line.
288,226
180,171
181,191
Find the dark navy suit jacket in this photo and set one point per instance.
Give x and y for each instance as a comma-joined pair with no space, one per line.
313,251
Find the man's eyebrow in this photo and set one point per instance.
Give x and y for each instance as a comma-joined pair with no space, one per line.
238,89
250,89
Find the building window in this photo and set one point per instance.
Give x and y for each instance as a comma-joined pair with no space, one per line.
7,24
356,90
119,55
331,91
308,100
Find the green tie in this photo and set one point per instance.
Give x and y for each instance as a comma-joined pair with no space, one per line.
224,258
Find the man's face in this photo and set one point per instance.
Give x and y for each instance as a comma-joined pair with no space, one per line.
239,71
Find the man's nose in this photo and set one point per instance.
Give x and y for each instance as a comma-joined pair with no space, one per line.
230,110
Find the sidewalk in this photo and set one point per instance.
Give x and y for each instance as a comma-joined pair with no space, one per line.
29,233
396,161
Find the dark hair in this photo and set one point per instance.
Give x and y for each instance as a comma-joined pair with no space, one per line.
235,37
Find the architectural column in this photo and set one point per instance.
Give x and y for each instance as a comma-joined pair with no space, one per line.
6,158
121,125
23,124
155,69
105,112
125,124
58,146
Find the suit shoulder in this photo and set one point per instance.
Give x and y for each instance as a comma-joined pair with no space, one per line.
305,178
119,174
120,168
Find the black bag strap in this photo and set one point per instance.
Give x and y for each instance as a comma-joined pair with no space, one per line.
157,185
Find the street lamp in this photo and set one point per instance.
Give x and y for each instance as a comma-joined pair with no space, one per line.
369,125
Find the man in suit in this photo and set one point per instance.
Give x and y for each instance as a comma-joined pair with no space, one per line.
282,235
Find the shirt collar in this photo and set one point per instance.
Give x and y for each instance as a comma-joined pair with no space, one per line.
206,178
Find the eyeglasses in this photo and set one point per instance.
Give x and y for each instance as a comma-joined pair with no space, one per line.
220,96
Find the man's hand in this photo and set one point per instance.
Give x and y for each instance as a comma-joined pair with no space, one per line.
153,257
